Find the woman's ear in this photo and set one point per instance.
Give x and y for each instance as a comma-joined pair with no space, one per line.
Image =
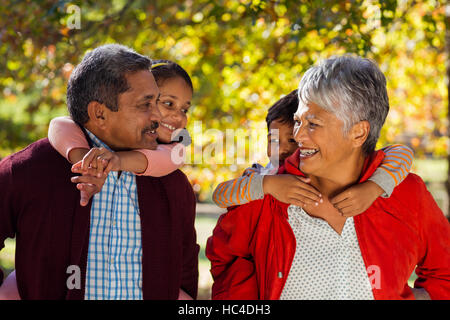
97,114
359,133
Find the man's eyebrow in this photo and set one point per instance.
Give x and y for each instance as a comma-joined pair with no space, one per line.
148,97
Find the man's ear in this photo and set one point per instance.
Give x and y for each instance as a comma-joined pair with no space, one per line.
97,114
359,133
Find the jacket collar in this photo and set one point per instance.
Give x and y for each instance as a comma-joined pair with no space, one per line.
371,164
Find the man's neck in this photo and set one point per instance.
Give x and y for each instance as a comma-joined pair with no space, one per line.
96,140
103,137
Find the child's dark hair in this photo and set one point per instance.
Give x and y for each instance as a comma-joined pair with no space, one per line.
166,69
283,110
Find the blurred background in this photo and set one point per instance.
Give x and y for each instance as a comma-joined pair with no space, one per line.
242,55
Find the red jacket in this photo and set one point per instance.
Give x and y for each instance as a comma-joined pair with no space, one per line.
40,207
252,247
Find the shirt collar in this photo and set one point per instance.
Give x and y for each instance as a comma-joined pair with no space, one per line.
96,142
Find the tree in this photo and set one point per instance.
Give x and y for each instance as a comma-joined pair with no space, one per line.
242,56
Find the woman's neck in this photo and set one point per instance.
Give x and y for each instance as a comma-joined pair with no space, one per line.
341,178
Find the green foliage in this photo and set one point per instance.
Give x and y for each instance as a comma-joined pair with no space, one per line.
242,55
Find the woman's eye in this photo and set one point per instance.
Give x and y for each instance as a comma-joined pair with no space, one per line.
184,110
168,103
297,123
313,125
291,140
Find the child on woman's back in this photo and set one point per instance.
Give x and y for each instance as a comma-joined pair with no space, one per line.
258,181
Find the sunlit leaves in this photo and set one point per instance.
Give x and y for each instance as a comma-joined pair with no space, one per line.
243,55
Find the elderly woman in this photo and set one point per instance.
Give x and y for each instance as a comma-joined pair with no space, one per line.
270,250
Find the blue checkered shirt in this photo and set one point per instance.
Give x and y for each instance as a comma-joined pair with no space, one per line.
114,264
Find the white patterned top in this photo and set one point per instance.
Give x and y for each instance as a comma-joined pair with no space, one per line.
326,265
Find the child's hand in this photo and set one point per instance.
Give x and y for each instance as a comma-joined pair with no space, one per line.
357,199
292,189
101,159
88,184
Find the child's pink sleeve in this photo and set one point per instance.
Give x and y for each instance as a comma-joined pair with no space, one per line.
164,160
65,135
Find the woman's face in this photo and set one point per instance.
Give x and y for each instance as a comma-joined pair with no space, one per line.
175,101
324,150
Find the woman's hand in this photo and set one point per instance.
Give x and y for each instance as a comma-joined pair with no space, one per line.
292,189
357,198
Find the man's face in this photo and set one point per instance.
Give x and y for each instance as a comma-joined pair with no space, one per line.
323,147
133,125
280,140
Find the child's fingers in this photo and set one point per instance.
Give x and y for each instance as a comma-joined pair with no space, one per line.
88,159
296,202
304,179
304,183
305,199
87,179
99,161
340,197
307,193
90,172
344,204
76,168
350,212
108,166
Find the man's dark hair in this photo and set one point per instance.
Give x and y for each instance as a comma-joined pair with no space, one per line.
165,69
100,77
283,110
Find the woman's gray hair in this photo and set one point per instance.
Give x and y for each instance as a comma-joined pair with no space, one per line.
353,89
100,77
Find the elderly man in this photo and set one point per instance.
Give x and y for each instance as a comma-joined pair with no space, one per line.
270,250
136,238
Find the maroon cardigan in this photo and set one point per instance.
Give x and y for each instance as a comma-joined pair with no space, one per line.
39,205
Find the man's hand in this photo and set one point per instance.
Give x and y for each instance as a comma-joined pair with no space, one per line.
292,189
357,199
101,159
94,167
88,184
